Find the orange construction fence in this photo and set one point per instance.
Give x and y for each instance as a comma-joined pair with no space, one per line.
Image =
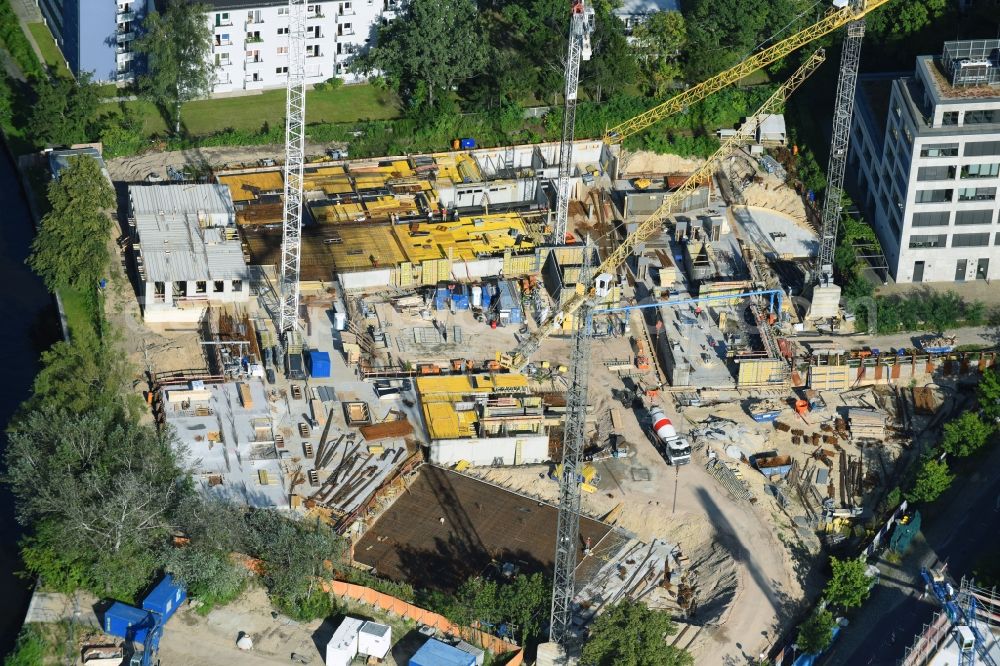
390,604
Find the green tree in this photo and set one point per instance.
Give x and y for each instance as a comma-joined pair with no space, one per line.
850,584
436,45
816,633
630,634
71,247
522,602
988,392
933,478
64,110
897,24
966,434
100,490
82,377
658,42
178,46
209,575
613,65
295,555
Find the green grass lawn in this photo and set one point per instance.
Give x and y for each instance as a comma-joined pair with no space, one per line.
250,112
79,316
50,51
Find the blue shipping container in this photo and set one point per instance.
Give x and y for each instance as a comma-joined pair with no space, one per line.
127,622
165,598
460,297
467,144
436,653
319,364
441,298
487,295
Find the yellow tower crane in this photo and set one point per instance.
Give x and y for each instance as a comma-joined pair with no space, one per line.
654,222
844,12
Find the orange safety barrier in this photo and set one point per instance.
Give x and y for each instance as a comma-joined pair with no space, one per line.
390,604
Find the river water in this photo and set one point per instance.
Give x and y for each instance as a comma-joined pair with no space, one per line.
29,325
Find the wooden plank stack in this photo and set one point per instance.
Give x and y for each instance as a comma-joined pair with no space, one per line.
866,423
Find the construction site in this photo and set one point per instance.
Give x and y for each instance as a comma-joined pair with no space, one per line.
555,358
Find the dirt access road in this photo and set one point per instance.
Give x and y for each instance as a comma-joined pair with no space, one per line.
748,581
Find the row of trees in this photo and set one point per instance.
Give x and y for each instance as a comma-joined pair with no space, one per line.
848,587
963,436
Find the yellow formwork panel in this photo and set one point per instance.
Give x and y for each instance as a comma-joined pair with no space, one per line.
519,264
333,213
464,239
327,171
404,274
247,186
369,181
760,372
363,247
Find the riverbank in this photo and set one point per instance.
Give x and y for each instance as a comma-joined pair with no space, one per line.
31,326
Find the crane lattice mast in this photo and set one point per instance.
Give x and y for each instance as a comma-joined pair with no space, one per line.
295,117
568,529
843,111
654,223
580,27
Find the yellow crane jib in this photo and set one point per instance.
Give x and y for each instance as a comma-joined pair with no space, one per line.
654,222
854,10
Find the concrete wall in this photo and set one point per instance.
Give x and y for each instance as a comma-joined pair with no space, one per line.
494,450
172,309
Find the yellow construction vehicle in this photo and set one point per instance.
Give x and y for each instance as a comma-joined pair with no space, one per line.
835,18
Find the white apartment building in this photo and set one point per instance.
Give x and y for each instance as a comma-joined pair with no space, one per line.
250,40
925,150
187,251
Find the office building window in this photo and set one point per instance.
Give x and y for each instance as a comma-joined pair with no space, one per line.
936,219
281,70
282,31
939,150
982,117
977,194
974,217
936,173
933,196
949,118
977,148
971,240
981,170
934,240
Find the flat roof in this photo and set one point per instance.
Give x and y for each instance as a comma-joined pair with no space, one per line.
449,527
230,447
160,199
467,238
176,248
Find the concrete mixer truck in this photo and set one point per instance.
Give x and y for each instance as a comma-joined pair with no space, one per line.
676,448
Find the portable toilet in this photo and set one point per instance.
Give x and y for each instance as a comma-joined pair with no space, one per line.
374,639
477,296
436,653
319,364
165,598
127,622
343,645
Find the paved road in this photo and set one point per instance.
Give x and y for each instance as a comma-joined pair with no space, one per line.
978,335
966,526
